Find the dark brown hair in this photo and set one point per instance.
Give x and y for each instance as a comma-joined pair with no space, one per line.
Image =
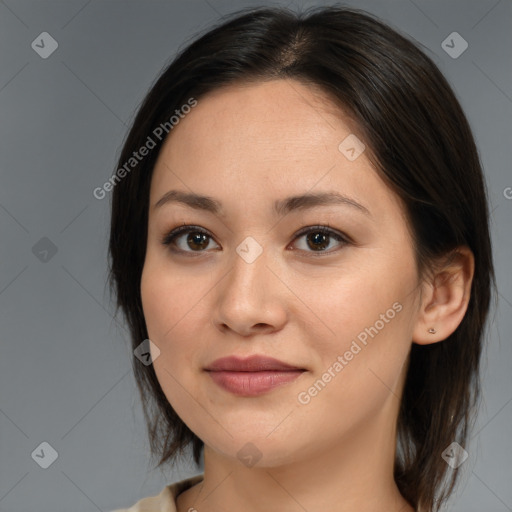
422,146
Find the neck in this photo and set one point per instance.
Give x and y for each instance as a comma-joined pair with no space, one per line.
355,474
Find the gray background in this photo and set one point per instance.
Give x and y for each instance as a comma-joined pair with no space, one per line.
65,373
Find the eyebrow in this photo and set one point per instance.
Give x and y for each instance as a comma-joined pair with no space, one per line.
281,207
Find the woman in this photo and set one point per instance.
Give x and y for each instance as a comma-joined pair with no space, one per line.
300,247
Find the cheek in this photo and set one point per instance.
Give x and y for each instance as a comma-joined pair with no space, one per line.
362,316
171,312
168,296
164,311
359,369
175,311
346,302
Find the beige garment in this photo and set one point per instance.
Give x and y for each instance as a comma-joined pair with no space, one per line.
166,500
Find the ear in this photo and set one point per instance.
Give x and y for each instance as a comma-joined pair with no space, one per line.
445,298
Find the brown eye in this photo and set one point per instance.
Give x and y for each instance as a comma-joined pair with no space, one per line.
197,239
319,238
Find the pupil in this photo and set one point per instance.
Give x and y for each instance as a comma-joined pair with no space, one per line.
318,238
195,238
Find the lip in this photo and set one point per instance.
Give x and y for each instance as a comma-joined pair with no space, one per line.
252,376
254,363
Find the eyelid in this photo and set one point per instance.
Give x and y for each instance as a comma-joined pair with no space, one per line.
341,237
326,228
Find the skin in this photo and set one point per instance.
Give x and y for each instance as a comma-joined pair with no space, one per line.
247,146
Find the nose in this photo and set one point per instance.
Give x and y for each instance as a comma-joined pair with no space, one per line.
251,299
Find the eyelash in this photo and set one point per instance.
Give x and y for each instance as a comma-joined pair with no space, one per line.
169,238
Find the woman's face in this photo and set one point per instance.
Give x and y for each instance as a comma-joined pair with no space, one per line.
342,311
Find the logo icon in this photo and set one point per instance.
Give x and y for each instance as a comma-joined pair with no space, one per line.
454,45
45,455
351,147
147,352
44,250
249,250
44,45
249,455
454,455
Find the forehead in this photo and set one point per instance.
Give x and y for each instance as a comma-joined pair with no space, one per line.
264,139
278,116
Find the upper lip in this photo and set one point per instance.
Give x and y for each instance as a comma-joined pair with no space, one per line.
254,363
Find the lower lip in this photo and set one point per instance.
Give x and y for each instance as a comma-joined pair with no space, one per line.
253,383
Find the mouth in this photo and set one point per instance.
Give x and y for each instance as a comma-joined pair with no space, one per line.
253,383
252,376
255,363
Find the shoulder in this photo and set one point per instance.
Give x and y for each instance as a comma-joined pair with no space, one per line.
165,501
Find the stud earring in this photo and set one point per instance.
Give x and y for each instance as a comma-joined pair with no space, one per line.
431,330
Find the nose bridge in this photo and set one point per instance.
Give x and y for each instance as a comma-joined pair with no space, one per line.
247,297
249,270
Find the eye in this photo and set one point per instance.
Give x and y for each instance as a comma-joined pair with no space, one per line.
198,239
319,237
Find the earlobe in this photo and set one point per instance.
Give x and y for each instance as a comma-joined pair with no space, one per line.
446,298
